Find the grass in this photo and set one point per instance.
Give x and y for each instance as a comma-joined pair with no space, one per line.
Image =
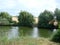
27,41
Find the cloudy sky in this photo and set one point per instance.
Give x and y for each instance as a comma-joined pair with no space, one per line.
13,7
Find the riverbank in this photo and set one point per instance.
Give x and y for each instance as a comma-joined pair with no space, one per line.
28,41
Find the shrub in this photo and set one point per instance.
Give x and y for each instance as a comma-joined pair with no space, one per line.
56,36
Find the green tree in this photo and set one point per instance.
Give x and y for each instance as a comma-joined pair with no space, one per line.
44,18
6,16
4,21
57,13
25,19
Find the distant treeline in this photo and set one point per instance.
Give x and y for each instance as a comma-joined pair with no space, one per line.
27,19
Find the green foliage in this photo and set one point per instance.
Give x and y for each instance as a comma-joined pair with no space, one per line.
56,36
44,18
4,21
4,14
57,13
25,19
5,18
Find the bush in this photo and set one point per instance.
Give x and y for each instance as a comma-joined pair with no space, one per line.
4,21
56,36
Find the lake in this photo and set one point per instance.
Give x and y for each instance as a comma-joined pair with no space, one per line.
15,32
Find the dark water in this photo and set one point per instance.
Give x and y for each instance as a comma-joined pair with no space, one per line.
14,32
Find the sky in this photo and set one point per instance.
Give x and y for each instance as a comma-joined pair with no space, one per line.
35,7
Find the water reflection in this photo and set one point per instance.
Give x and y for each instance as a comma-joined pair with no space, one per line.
35,32
45,33
13,33
25,31
4,31
54,30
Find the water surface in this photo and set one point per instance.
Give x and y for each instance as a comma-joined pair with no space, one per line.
14,32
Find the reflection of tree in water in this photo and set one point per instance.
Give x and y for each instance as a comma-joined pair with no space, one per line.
13,32
4,30
35,32
25,31
45,32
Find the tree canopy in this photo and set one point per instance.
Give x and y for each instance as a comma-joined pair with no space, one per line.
57,13
25,19
44,18
5,18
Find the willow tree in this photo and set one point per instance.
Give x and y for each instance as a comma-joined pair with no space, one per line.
25,19
44,18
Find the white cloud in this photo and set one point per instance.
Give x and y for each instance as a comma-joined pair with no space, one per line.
38,3
29,3
7,4
32,6
37,6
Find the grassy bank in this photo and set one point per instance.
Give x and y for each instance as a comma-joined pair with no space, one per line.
27,41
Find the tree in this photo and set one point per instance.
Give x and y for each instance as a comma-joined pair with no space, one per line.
25,19
44,18
57,13
6,16
4,21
